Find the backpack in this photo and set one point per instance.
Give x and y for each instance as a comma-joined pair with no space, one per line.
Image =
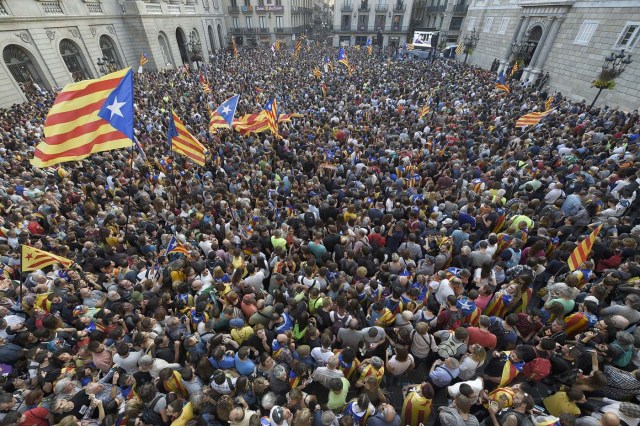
623,360
338,323
309,220
149,416
449,347
497,330
523,419
537,369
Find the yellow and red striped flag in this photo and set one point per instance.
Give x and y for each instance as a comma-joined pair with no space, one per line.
581,253
271,111
459,49
317,73
234,46
88,117
503,87
514,69
183,142
424,111
549,102
324,90
532,118
33,259
143,59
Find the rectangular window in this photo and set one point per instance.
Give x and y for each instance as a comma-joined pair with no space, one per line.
249,22
471,23
247,2
629,36
380,21
585,32
278,21
262,20
504,24
456,23
234,22
488,22
363,20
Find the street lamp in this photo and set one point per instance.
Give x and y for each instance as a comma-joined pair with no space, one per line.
470,42
612,67
105,64
194,48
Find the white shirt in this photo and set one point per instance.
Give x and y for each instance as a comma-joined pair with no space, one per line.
321,355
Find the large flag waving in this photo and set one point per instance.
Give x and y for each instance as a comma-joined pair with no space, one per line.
501,84
87,117
183,142
33,259
532,118
223,116
581,253
175,246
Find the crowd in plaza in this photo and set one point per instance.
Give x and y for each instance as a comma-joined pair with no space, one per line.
377,265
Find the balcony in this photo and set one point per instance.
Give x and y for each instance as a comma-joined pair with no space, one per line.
263,30
382,7
283,30
399,7
342,29
437,9
364,8
234,10
346,8
363,28
461,8
397,29
247,10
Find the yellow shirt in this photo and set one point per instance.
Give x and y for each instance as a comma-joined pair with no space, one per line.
559,403
185,416
241,334
278,242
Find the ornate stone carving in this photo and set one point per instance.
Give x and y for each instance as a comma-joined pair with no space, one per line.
24,36
74,32
111,29
51,35
94,31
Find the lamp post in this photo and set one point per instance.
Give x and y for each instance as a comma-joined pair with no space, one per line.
194,48
612,67
105,64
470,43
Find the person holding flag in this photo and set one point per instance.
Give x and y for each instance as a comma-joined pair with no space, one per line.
222,117
342,58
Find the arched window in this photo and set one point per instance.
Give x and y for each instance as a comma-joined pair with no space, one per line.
182,45
220,37
73,60
213,46
21,67
167,58
108,49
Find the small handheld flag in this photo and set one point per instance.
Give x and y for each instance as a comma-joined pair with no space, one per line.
424,111
342,58
459,49
514,69
317,73
33,259
582,251
143,61
175,246
369,46
549,102
324,90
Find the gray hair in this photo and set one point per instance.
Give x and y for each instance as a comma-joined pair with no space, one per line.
625,338
268,400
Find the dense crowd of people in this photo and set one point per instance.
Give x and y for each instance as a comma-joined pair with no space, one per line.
372,267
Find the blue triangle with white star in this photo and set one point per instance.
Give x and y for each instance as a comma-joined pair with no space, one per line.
117,109
227,109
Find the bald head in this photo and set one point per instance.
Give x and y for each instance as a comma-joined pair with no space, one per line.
610,419
389,413
333,362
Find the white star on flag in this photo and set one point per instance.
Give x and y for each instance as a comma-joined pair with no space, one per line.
226,109
115,107
465,306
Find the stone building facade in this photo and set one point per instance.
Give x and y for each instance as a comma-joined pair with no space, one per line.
262,22
54,42
566,39
386,22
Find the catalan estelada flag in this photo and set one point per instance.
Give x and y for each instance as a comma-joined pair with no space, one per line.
223,115
317,73
532,119
33,259
87,117
503,87
342,58
369,46
509,371
175,246
579,322
581,253
271,111
299,44
252,123
183,142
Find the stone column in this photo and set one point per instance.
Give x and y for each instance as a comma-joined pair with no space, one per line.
545,49
504,63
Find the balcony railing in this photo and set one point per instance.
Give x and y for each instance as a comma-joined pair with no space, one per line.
52,8
189,8
363,8
264,30
436,9
399,7
248,10
153,9
397,29
460,8
173,9
346,8
94,8
234,10
283,30
382,7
